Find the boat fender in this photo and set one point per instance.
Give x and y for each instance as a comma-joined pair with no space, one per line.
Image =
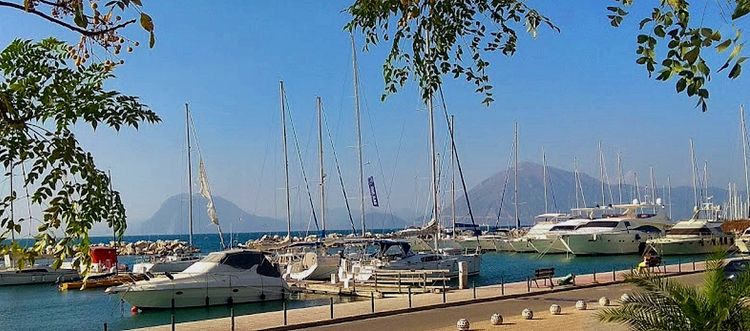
134,310
230,301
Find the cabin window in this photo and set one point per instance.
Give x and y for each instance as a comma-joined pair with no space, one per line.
431,258
562,227
648,229
599,224
693,231
247,260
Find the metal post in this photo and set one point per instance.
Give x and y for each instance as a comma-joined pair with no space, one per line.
502,285
693,264
372,302
331,307
399,282
283,305
474,289
409,296
231,315
105,326
614,276
679,265
173,319
594,276
528,284
444,299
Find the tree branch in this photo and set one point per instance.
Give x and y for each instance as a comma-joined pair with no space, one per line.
88,33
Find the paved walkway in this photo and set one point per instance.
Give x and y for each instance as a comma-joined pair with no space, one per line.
432,313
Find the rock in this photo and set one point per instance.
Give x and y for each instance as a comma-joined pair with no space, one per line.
496,319
527,314
555,309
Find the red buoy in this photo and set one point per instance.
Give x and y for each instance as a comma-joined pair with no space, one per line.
134,310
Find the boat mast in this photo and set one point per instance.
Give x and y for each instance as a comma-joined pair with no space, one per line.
695,177
453,176
746,210
619,175
190,175
515,172
637,187
544,176
705,179
359,139
601,173
282,96
322,171
653,185
669,192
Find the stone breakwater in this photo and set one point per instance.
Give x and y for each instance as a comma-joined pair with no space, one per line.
159,247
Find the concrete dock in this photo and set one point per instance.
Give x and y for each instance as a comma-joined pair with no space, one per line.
437,311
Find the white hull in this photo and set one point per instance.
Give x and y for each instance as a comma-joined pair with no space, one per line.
522,245
607,243
688,246
197,297
549,245
321,269
162,267
36,276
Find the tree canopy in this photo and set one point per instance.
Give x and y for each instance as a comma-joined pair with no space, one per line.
432,38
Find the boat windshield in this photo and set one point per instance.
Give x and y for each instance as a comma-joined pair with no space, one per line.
562,228
599,224
690,231
245,260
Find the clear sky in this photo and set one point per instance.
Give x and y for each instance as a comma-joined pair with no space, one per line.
566,90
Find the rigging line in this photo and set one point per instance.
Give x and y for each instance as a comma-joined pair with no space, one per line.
263,166
505,187
441,162
302,165
389,190
606,176
338,171
552,190
455,151
377,152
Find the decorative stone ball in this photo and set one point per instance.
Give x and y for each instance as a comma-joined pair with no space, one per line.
527,314
463,325
581,305
555,309
604,301
496,319
624,297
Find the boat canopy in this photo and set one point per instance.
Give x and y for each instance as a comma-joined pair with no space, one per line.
244,259
393,248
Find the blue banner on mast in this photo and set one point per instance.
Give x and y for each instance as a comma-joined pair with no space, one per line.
373,192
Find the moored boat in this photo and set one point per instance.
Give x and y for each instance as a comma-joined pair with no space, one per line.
701,234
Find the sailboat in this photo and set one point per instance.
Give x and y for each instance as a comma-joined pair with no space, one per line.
178,263
12,274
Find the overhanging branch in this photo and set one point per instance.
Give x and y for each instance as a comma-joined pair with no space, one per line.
88,33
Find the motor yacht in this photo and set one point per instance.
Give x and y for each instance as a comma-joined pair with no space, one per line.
542,224
701,234
230,276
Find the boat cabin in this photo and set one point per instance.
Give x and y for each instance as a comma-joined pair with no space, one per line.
243,260
392,249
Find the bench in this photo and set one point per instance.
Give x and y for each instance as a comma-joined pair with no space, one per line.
544,274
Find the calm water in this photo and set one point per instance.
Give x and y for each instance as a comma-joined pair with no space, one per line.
37,307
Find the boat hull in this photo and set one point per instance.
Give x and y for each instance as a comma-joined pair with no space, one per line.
607,243
690,246
547,245
10,277
198,297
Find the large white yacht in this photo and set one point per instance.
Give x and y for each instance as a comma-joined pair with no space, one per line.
542,224
624,230
701,234
397,255
231,276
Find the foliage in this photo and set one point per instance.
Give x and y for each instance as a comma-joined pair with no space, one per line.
664,304
431,38
43,96
463,32
674,22
98,25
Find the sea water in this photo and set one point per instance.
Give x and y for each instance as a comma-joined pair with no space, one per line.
38,307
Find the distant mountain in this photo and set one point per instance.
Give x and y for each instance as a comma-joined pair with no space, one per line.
486,197
172,218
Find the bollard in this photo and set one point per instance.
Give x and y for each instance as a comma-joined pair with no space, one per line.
679,265
409,296
614,276
474,289
594,276
693,264
105,326
331,307
283,305
173,326
231,315
372,302
502,285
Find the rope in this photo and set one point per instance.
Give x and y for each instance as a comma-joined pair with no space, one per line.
338,171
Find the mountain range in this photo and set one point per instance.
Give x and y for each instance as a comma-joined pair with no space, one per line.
486,201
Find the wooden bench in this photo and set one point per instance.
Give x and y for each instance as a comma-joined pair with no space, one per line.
545,274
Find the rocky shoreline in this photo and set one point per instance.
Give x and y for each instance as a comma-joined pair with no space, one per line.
158,247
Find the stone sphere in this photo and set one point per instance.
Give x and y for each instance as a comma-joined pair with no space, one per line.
555,309
581,305
604,301
463,325
527,314
624,297
496,319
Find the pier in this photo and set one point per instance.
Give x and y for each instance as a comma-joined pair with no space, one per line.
433,310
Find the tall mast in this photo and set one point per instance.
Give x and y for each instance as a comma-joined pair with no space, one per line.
575,180
705,179
114,232
653,185
359,140
453,176
515,172
619,175
322,169
282,97
637,188
695,177
544,176
601,173
745,212
190,175
669,197
433,165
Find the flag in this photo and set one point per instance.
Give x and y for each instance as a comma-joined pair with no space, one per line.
206,193
373,193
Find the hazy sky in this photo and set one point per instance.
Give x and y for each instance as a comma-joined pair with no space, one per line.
567,90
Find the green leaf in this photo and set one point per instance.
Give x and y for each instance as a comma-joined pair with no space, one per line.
681,84
151,40
736,70
147,23
741,9
692,55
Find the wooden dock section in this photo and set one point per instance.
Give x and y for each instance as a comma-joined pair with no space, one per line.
382,283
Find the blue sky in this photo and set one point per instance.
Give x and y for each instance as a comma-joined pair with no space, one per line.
566,90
